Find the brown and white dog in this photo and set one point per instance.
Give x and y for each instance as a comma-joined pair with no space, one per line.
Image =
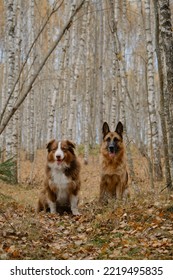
62,182
114,176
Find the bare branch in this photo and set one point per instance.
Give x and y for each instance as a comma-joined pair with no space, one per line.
5,217
22,98
27,56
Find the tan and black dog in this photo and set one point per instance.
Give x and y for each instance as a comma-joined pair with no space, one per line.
114,176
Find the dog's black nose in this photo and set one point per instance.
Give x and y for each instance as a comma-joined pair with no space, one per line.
111,148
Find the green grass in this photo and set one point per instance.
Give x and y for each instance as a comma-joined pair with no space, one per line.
93,151
99,241
8,171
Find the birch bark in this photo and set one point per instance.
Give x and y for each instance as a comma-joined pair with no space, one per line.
166,43
164,95
72,93
9,5
30,99
100,74
87,93
151,96
16,119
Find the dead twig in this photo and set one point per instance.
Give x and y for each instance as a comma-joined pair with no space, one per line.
5,217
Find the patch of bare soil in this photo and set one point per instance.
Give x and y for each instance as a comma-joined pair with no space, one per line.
140,228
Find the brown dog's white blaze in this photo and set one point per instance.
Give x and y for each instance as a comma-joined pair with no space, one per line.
62,182
113,163
59,154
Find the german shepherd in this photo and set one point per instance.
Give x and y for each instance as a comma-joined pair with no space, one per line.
114,176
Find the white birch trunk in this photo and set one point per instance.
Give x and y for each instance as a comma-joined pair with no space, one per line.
51,116
166,45
10,69
100,73
72,93
87,93
115,64
4,88
65,76
137,79
16,124
151,96
30,99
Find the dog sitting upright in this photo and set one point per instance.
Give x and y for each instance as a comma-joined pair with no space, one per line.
62,182
114,176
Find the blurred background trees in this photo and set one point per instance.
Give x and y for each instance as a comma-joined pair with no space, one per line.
114,62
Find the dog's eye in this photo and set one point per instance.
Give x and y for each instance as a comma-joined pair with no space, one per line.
108,139
116,139
64,149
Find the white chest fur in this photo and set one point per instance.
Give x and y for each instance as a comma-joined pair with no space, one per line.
60,180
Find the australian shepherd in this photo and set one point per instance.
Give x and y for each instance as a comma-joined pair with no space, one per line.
62,181
114,176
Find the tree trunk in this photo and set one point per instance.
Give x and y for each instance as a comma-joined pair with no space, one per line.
10,70
151,97
16,119
164,95
100,91
30,99
87,93
167,43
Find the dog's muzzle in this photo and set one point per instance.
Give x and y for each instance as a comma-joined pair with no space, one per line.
112,148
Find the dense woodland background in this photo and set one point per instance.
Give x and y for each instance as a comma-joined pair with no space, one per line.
67,66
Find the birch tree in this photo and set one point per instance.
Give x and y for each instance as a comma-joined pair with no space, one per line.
100,67
164,55
151,96
72,92
115,63
87,92
9,71
167,43
5,121
16,118
30,99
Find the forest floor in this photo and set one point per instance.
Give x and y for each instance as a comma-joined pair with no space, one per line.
140,228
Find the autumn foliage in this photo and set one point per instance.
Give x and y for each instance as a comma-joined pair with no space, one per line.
139,228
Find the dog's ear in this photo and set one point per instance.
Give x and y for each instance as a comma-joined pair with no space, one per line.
105,129
49,144
71,144
119,129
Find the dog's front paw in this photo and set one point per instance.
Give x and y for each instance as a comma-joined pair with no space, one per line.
75,212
